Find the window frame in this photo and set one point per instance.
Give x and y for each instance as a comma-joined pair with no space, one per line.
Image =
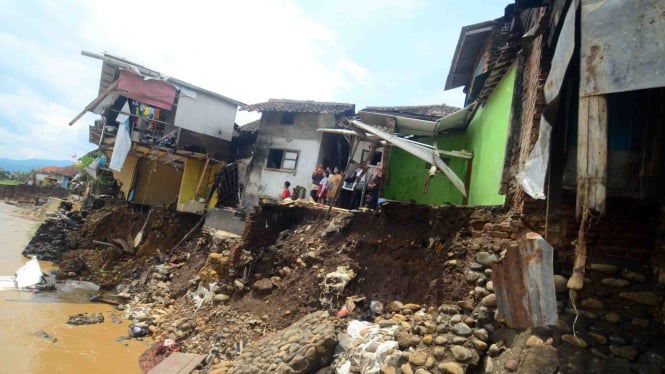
289,115
284,152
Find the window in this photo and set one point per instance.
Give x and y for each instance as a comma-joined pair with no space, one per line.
287,118
282,159
377,157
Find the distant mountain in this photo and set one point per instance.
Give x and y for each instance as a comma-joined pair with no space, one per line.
27,165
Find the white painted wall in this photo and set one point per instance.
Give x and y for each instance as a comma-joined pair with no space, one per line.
205,114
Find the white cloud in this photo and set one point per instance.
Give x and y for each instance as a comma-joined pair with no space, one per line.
249,50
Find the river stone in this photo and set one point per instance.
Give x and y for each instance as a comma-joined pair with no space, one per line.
413,307
440,340
541,359
534,341
612,317
490,286
388,369
628,352
418,358
593,303
598,338
644,298
479,344
427,339
263,286
560,283
422,371
462,328
486,258
640,322
615,282
403,338
220,298
604,268
460,353
494,350
489,300
574,340
394,306
472,276
85,319
481,334
451,368
439,352
633,276
449,309
406,369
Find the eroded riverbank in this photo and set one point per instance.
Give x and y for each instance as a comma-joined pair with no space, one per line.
78,349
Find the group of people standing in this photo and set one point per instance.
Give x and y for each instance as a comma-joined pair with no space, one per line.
331,187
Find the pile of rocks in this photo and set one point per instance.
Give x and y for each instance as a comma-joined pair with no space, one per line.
304,347
55,236
612,318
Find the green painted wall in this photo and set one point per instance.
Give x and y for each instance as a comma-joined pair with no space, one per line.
407,175
486,138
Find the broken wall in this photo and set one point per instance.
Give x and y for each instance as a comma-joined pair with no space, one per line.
302,137
156,183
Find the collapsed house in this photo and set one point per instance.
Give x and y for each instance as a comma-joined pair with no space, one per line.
165,139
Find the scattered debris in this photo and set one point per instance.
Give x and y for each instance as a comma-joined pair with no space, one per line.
85,319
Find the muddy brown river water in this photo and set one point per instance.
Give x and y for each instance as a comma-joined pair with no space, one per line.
78,349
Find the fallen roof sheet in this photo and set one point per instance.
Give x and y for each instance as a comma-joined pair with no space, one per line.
422,151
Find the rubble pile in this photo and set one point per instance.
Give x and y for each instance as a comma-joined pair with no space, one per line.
58,234
406,290
303,347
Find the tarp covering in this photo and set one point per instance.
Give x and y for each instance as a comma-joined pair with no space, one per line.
123,143
29,274
532,179
622,46
152,92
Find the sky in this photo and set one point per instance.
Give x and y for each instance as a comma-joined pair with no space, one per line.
366,52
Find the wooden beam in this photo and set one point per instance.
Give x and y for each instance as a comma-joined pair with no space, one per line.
203,172
591,154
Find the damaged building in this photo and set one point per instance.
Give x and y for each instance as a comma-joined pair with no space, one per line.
289,146
165,139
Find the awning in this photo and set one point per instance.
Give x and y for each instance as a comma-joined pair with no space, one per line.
422,151
457,120
413,126
152,92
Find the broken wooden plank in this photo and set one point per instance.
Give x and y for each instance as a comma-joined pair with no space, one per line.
591,154
178,363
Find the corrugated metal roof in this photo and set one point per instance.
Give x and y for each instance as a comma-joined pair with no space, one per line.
524,283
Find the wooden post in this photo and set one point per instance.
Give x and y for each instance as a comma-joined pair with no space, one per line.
591,174
203,173
591,154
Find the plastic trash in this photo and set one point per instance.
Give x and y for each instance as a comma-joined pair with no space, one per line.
7,282
138,331
376,307
29,274
367,348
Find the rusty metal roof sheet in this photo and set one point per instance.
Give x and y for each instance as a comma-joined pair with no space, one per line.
524,283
